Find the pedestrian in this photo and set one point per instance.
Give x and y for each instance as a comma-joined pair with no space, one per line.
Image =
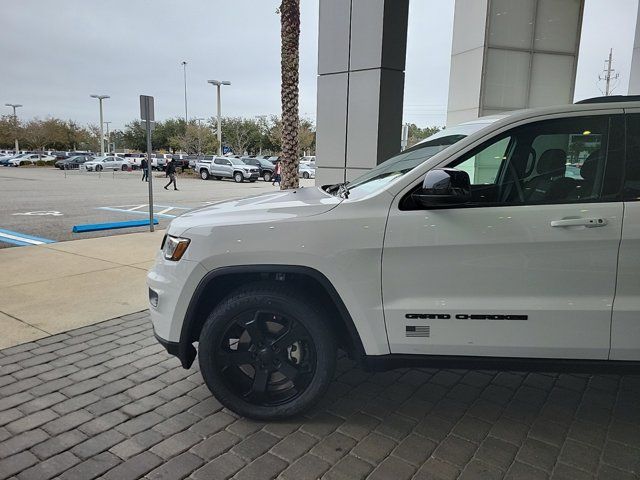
171,173
276,173
145,170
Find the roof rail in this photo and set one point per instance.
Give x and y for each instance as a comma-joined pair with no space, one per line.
610,99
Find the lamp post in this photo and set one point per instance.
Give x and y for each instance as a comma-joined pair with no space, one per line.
100,98
15,122
218,84
186,117
108,138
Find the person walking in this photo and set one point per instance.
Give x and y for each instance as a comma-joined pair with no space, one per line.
276,173
171,173
145,171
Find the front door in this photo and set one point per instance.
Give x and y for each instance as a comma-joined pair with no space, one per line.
528,267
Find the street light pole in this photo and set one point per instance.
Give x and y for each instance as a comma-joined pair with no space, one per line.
219,84
108,138
100,98
186,117
15,122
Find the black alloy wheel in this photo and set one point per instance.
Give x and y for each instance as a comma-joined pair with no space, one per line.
266,354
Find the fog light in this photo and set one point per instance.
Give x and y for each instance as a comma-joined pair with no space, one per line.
153,298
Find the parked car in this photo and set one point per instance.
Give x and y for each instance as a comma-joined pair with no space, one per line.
30,159
265,167
192,160
73,163
133,160
227,167
5,160
473,249
106,163
160,160
306,171
182,160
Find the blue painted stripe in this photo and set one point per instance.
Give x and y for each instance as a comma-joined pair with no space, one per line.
15,242
92,227
24,235
136,212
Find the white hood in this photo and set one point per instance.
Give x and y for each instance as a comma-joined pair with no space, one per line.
268,207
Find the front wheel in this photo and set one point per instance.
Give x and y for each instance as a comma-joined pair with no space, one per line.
266,353
305,175
204,174
267,176
98,168
238,177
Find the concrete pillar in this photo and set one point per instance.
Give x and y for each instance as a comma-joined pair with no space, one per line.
634,77
361,61
512,54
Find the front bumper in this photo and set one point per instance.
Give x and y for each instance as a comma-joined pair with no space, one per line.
173,284
251,175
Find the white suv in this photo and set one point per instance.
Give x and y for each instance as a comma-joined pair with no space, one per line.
508,242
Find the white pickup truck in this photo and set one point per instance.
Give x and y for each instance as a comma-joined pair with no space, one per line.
509,242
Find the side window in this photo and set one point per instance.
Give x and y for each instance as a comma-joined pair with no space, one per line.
552,161
632,170
483,167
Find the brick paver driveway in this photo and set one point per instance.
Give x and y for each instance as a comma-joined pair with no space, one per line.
106,400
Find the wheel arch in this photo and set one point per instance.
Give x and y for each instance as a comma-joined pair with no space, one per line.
217,284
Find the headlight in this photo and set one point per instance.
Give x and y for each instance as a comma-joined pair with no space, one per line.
174,247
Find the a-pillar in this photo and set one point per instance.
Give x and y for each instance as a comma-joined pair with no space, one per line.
361,62
634,77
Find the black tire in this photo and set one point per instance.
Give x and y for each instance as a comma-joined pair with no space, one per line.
231,374
238,177
266,176
305,175
98,168
204,174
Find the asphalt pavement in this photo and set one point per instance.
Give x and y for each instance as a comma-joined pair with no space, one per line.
43,204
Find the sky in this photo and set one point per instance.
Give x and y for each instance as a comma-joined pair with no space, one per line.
56,53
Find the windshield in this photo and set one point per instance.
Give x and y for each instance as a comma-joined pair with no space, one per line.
406,161
236,161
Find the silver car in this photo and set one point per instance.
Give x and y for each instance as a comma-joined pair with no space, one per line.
106,163
223,167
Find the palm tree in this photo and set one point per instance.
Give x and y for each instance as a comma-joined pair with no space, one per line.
290,59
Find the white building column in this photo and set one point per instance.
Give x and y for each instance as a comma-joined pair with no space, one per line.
361,61
507,55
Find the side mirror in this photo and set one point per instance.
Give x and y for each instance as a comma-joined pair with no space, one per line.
442,187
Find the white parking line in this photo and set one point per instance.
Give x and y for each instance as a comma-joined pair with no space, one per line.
17,238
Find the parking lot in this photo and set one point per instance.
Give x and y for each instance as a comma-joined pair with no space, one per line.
108,400
43,204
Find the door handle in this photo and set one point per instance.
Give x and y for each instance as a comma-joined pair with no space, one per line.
580,222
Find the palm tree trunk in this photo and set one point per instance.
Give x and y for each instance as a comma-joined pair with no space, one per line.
290,59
